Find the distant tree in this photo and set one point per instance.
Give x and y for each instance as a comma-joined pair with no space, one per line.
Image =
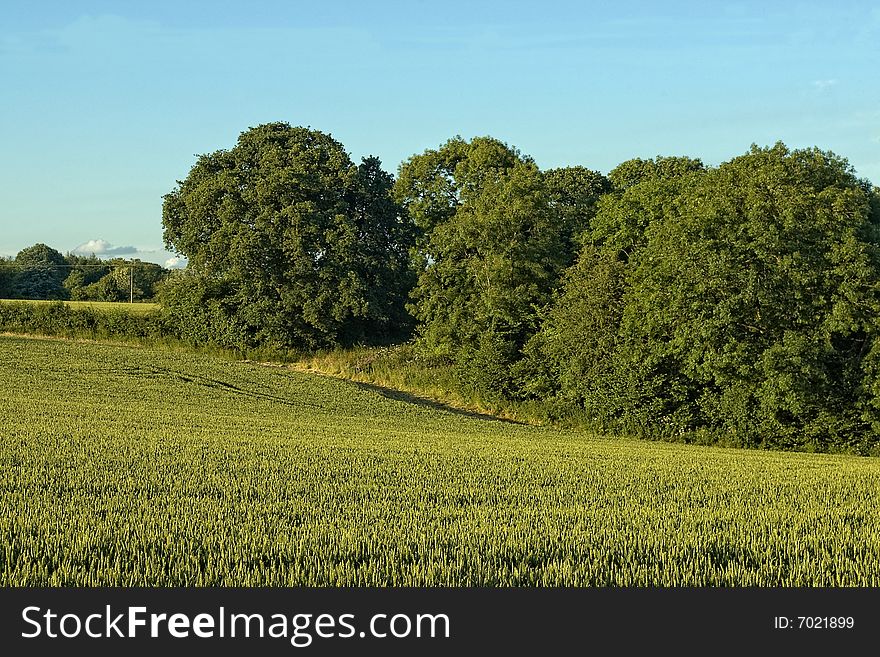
148,277
41,270
300,247
114,286
93,279
8,272
83,271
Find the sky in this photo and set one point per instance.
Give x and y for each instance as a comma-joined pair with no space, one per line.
105,105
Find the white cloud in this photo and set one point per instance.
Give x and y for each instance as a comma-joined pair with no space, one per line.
101,247
104,249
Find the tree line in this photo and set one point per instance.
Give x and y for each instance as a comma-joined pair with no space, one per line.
667,298
43,273
736,304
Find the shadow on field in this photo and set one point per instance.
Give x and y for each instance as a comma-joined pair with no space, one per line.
399,395
209,382
217,384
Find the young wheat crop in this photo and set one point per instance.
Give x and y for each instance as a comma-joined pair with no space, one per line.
124,466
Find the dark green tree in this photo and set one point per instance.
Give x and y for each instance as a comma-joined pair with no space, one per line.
740,302
8,272
41,271
487,242
574,192
754,302
276,227
496,235
382,259
83,272
637,170
573,356
644,191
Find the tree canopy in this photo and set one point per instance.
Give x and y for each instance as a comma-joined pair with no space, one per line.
39,273
496,235
289,243
740,300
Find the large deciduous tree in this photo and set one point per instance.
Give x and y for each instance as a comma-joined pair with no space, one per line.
455,196
496,234
289,243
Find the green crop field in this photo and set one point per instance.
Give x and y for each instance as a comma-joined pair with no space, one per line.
127,466
137,308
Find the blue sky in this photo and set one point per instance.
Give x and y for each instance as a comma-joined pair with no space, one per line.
105,104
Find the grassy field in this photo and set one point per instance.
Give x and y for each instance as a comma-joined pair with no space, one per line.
130,466
137,308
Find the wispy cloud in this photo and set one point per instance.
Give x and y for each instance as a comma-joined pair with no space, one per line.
824,85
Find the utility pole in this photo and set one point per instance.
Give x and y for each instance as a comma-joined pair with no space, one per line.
130,284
